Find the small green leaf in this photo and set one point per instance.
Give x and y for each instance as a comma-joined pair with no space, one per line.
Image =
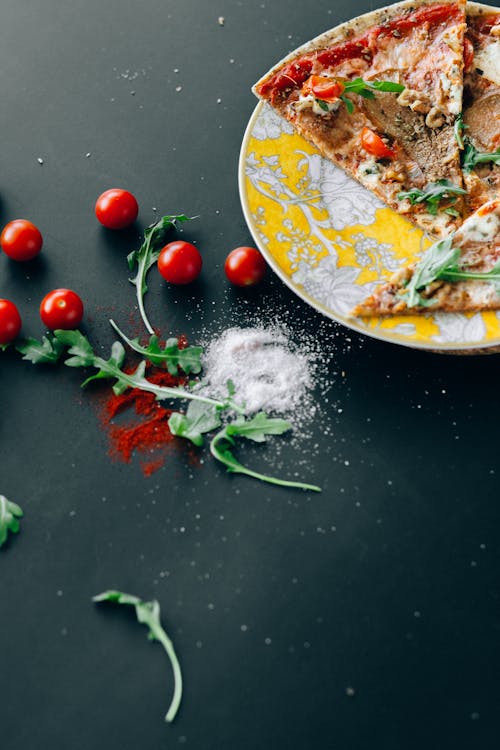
148,613
46,351
439,256
10,513
258,427
199,419
348,103
432,195
471,157
147,255
79,347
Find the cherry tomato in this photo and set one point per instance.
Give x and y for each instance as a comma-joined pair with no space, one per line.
245,266
323,88
374,144
180,262
21,240
61,308
468,54
10,321
116,209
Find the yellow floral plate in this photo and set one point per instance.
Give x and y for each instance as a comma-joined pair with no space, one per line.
333,242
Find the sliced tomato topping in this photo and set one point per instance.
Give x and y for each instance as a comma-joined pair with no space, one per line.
373,144
468,54
326,89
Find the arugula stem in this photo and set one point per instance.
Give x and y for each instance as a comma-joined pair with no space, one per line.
160,391
466,276
238,468
141,278
167,644
131,344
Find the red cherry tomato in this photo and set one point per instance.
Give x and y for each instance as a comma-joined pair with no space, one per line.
10,321
323,88
373,144
116,209
21,240
61,308
245,266
180,262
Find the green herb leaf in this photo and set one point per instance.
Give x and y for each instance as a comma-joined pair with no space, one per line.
148,613
147,255
441,262
458,130
187,359
256,429
46,351
433,194
438,257
471,157
367,90
199,419
10,513
348,103
78,346
4,347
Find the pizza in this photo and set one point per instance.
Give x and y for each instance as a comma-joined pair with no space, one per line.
479,128
407,101
460,273
380,96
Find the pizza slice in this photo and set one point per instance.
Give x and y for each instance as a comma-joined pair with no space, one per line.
379,97
458,274
479,130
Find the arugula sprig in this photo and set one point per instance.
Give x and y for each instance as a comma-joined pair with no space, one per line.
46,351
440,262
433,194
147,255
257,429
10,513
458,129
148,613
472,157
82,355
203,414
367,90
188,359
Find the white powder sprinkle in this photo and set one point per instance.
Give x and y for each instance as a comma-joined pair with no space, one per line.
268,373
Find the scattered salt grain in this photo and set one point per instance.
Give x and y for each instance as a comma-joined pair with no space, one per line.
221,20
268,372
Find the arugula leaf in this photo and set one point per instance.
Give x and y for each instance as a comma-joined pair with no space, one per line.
438,257
458,129
147,255
82,355
46,351
148,613
198,419
10,513
256,429
440,262
78,346
472,157
367,90
433,194
187,359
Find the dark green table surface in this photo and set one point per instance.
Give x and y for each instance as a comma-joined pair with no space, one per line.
366,617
